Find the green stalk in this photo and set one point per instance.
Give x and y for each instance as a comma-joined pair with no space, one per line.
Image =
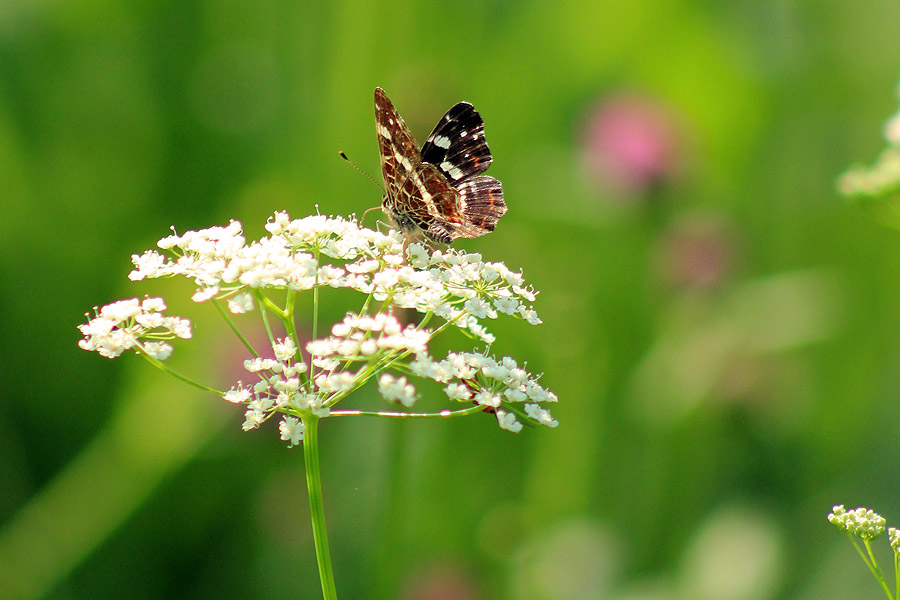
234,327
289,317
316,506
265,303
315,326
394,510
876,570
896,575
444,414
162,367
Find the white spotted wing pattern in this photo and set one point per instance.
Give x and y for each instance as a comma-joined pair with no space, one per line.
438,194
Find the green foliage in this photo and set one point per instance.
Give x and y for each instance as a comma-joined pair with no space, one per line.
720,326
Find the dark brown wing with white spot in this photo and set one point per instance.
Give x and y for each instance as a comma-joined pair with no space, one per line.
396,145
457,146
481,204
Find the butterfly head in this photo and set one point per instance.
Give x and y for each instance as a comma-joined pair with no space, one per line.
400,220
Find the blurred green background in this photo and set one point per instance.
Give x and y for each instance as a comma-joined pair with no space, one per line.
723,330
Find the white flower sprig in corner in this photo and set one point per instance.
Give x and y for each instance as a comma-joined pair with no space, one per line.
867,526
881,180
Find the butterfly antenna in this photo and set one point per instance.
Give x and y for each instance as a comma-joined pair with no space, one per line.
369,177
367,211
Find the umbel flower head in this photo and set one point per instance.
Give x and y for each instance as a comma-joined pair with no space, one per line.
127,324
449,288
861,522
894,538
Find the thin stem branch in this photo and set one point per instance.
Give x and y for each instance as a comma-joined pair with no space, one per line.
162,367
896,575
315,326
860,551
444,414
265,303
289,318
877,570
871,563
234,327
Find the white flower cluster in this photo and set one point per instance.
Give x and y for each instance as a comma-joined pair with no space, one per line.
126,324
358,338
454,285
283,382
280,389
894,538
397,389
459,287
318,251
372,340
861,522
883,177
502,387
880,179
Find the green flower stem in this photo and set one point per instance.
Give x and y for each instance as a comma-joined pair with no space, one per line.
315,327
859,550
315,323
290,301
896,575
316,506
444,414
288,323
162,367
289,318
394,522
265,303
526,420
878,574
234,327
871,563
365,306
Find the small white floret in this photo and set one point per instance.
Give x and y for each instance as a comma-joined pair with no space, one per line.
508,421
291,430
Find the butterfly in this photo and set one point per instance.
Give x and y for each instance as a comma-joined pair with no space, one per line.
438,193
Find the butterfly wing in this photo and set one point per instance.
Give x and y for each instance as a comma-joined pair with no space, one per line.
428,205
481,204
396,145
457,146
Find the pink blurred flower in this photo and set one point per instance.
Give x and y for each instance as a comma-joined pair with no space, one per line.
697,252
440,583
630,144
